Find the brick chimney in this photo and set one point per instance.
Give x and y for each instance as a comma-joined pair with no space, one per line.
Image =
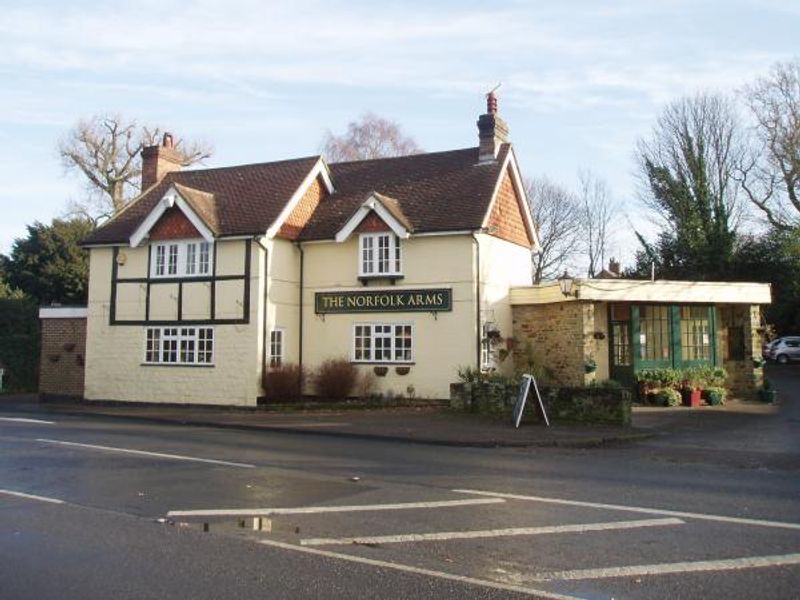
614,267
159,160
492,130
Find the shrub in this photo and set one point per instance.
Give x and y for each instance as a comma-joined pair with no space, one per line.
335,379
668,397
284,383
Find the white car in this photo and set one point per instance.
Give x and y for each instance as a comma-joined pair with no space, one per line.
784,349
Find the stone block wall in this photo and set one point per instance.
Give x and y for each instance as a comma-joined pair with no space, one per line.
63,355
557,337
744,378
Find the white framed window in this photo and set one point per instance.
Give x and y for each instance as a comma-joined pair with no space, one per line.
179,346
180,258
383,342
276,348
379,254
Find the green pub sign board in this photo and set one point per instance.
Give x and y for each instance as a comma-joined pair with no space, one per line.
427,300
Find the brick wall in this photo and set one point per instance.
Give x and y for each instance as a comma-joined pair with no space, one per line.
61,366
506,221
557,337
173,225
298,218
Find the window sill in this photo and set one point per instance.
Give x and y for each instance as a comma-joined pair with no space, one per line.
189,365
365,279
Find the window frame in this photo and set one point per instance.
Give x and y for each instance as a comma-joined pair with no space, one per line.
161,258
177,340
280,332
393,337
371,242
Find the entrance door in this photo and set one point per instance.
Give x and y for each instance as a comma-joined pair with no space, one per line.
619,346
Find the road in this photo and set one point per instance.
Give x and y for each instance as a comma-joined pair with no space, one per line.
105,508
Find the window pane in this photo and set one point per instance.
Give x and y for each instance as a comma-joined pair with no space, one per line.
191,258
276,348
172,265
620,333
654,323
160,258
204,258
695,333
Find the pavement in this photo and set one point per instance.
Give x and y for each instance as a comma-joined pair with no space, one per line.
428,425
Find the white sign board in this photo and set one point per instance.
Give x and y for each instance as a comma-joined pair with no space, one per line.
522,396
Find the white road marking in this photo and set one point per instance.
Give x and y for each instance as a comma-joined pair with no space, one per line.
145,453
490,533
24,420
31,496
304,510
730,564
637,509
528,591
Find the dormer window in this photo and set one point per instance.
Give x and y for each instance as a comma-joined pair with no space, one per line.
379,255
185,258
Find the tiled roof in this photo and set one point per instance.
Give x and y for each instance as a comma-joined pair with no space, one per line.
438,191
247,198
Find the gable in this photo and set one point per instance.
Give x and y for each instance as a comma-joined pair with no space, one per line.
301,213
173,225
506,220
372,223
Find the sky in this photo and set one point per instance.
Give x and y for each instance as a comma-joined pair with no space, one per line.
261,80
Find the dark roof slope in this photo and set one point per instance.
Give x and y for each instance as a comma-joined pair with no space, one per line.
438,191
247,198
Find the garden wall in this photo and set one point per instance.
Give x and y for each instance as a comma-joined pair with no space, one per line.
61,367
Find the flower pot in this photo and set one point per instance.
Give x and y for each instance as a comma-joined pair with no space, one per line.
768,395
691,396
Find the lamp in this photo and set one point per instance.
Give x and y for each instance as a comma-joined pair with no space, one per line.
565,282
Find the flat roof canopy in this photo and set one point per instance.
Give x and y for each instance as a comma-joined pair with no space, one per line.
634,290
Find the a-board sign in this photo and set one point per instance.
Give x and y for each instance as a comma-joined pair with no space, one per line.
522,396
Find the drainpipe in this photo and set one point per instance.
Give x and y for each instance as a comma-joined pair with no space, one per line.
477,299
300,321
264,327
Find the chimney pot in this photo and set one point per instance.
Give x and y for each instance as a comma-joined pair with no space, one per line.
492,131
158,160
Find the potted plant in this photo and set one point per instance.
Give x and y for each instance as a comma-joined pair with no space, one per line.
767,393
668,397
690,387
715,395
590,365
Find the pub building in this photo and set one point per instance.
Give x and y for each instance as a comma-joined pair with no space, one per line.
412,267
401,265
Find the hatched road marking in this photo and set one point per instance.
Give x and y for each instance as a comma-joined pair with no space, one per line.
638,509
24,420
419,571
31,496
304,510
730,564
145,453
490,533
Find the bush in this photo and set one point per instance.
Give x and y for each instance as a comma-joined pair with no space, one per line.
284,383
668,397
335,379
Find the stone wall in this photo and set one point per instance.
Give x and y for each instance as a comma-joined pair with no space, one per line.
601,405
63,353
556,337
744,378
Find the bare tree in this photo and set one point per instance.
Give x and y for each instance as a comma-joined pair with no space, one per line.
596,212
106,149
770,176
556,215
696,145
370,137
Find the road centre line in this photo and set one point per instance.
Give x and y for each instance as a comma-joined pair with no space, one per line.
304,510
729,564
528,591
31,496
490,533
146,453
637,509
24,420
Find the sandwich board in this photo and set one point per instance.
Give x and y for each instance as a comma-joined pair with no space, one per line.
522,396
